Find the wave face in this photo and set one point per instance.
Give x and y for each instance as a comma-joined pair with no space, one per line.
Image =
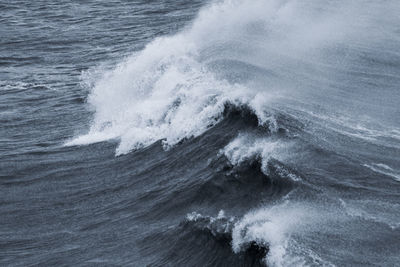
238,133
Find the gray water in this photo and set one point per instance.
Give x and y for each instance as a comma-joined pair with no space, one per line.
200,133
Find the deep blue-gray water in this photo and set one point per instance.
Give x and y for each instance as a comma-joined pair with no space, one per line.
200,133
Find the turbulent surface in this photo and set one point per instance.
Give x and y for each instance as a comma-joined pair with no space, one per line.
200,133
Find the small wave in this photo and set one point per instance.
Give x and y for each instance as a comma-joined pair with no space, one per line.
265,234
273,227
384,169
19,86
373,210
218,226
221,228
247,147
364,128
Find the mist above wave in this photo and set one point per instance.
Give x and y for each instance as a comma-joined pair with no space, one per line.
252,53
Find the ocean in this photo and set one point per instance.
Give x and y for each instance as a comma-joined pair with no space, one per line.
200,133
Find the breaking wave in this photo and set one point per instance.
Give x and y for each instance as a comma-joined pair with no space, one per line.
255,53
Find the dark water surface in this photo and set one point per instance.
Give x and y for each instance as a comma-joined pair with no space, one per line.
199,133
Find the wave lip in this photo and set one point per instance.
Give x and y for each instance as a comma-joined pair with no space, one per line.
176,100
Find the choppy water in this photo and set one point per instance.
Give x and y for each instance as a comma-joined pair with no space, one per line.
200,133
